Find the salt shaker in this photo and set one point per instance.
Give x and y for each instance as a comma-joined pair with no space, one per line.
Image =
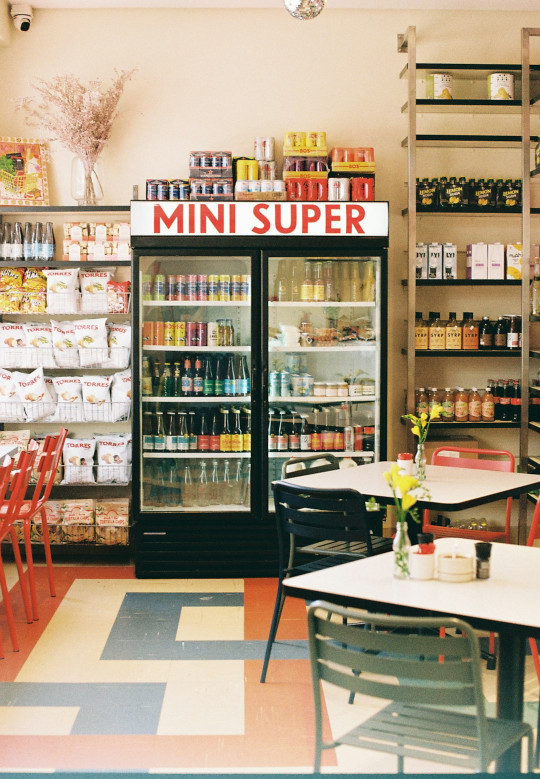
406,463
483,554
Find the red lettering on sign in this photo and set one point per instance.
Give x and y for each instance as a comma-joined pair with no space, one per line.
191,218
310,213
258,213
232,218
355,214
332,215
279,225
161,216
218,220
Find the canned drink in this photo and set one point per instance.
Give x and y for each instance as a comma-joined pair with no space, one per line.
224,290
338,189
213,287
217,188
207,187
358,438
369,439
168,334
284,384
242,186
227,187
312,140
348,438
236,288
205,161
151,189
174,190
254,185
245,287
267,186
242,170
308,381
184,190
279,185
201,333
196,187
158,288
212,334
267,171
226,161
315,189
273,384
202,287
321,140
191,286
296,384
216,160
179,333
162,189
171,288
194,160
148,334
191,334
252,169
147,285
363,189
158,333
180,287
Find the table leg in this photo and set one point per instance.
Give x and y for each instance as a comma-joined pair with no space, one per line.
510,678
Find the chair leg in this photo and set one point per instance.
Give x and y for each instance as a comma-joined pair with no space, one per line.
278,608
30,566
20,572
7,603
490,656
536,659
536,763
47,549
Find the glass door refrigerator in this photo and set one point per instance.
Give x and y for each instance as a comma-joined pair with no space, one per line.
259,335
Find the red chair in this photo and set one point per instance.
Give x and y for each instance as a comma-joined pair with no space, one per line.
534,533
46,468
13,483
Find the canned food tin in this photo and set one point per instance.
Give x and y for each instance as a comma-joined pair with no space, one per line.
213,287
308,384
439,86
236,290
245,287
191,286
224,288
501,86
168,334
201,333
158,332
151,189
158,289
171,288
284,384
294,189
147,334
202,287
180,287
273,384
212,334
191,334
179,333
162,189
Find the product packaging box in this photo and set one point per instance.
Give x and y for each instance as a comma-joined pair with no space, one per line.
421,261
449,261
477,261
435,252
210,164
450,440
217,189
495,261
514,254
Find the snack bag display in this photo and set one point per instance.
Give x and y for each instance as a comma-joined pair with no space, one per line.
77,521
53,511
11,408
121,396
18,438
65,351
91,336
33,392
63,296
112,459
78,455
97,398
39,345
69,402
119,340
94,291
11,289
40,440
34,297
12,345
118,296
112,521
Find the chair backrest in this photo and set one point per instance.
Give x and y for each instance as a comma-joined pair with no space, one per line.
311,463
489,460
13,489
321,514
534,532
401,666
45,469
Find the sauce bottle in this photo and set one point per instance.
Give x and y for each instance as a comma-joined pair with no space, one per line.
461,405
453,332
513,336
515,401
448,405
486,333
306,289
500,334
488,406
475,405
436,331
421,333
504,402
422,404
434,398
470,331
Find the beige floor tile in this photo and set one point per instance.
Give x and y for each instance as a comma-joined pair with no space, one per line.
225,623
37,720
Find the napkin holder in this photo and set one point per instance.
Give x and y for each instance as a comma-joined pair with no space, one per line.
455,568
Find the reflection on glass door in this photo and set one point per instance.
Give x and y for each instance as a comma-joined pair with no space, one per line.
324,359
195,371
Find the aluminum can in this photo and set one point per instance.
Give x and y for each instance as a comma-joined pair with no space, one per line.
191,286
308,381
151,189
193,160
242,170
205,161
158,288
267,171
264,148
147,285
227,187
254,185
212,334
297,385
245,287
273,384
217,187
148,334
316,189
363,189
174,190
162,189
171,288
253,169
213,287
226,161
236,288
284,384
191,334
168,334
207,187
241,186
179,333
158,332
267,186
196,187
279,185
202,333
338,189
202,287
184,190
216,160
180,287
358,438
224,288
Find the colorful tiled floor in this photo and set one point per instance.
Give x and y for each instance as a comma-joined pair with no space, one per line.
163,676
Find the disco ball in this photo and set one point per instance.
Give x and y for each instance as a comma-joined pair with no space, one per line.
304,9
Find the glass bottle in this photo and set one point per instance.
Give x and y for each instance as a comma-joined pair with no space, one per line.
191,430
422,402
246,430
453,332
294,283
146,377
535,289
214,432
434,399
156,377
28,249
420,332
37,242
306,290
227,484
188,494
229,384
246,488
159,432
272,430
282,436
17,242
486,333
513,336
500,334
237,442
166,382
197,378
436,331
202,486
49,243
148,431
242,381
6,241
318,282
470,331
171,433
225,431
305,435
187,378
329,286
369,283
294,435
488,406
214,496
448,408
237,483
356,292
401,547
208,378
515,401
219,376
182,433
177,380
475,406
505,402
316,434
461,405
280,279
203,436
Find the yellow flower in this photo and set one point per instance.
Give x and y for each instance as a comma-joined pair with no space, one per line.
405,483
407,501
416,431
423,416
436,411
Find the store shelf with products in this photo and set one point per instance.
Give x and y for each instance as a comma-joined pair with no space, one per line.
468,352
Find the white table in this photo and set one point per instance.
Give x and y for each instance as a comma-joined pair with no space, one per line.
505,603
450,489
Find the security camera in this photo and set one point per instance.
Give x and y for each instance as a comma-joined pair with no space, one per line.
21,13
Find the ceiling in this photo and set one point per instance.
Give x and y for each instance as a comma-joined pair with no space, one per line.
451,5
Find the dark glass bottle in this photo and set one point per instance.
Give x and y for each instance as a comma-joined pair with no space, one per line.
146,377
515,401
166,382
148,431
159,432
171,433
272,431
214,432
294,434
208,378
500,334
485,334
505,401
198,378
224,431
316,433
177,380
203,438
282,436
237,437
230,380
305,435
219,376
187,378
246,430
156,376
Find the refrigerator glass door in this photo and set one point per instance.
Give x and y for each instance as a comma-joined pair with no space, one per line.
324,358
195,369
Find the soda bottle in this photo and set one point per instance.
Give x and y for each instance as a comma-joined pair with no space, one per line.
316,436
294,283
28,249
305,435
499,394
227,485
225,431
339,431
182,432
329,286
148,432
191,427
49,243
214,497
166,382
318,282
203,491
515,401
242,381
282,437
356,283
146,377
156,377
237,483
171,433
488,406
294,435
208,378
37,242
159,432
198,381
187,487
485,334
17,242
177,381
219,380
306,290
504,403
246,430
214,432
272,431
230,381
187,378
237,442
203,438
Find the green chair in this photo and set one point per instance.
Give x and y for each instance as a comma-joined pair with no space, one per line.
413,670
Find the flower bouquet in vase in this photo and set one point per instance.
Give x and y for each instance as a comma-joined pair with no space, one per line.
420,429
406,491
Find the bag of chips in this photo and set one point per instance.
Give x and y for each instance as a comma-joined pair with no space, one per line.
119,339
65,351
11,408
91,335
78,455
12,345
39,345
97,398
94,291
112,459
69,401
121,396
118,296
34,393
62,290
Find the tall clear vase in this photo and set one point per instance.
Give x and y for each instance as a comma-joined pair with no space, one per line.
86,186
401,547
420,463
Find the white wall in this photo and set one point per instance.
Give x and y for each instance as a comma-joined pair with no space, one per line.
217,79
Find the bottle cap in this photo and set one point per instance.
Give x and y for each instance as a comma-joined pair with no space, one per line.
425,538
483,550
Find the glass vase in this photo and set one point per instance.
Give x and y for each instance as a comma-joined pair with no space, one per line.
420,463
86,186
401,547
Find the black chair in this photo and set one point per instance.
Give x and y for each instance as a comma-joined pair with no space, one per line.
334,521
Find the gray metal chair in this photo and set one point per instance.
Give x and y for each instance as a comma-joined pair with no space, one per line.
413,670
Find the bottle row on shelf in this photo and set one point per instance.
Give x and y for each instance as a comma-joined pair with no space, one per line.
188,333
197,430
203,287
317,281
453,193
216,375
292,432
468,333
499,401
172,483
